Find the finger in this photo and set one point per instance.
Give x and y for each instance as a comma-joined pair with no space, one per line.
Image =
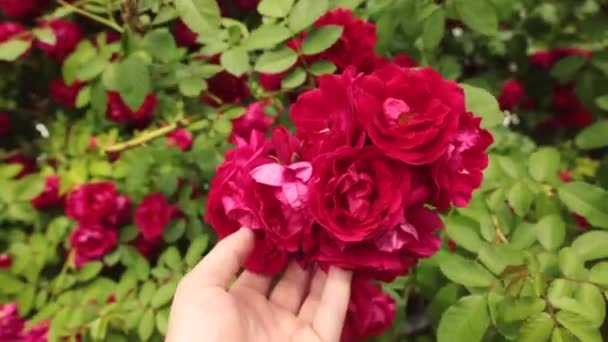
224,260
329,318
312,301
290,290
252,281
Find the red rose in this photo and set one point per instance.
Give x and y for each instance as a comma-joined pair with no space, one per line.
98,203
271,82
5,261
459,171
356,44
571,113
358,193
38,333
28,165
10,30
183,35
22,8
254,118
545,59
410,114
566,176
146,248
67,34
405,61
119,112
227,88
5,124
152,216
64,94
511,95
180,138
91,241
246,5
11,325
370,311
49,197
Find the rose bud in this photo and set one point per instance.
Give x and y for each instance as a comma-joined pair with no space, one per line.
511,95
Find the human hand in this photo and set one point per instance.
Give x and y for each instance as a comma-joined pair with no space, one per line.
297,309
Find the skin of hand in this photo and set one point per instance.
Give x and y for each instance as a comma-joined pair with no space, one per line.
301,307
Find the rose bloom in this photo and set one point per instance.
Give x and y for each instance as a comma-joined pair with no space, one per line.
511,95
5,124
9,30
118,111
254,118
271,82
370,311
180,138
22,8
38,333
226,87
146,248
68,34
49,197
11,324
5,261
98,202
183,35
459,171
28,165
545,59
91,241
571,113
153,215
65,94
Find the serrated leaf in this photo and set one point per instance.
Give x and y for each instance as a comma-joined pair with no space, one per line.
467,320
163,295
89,271
578,326
587,200
598,274
11,50
466,272
45,35
146,325
294,79
537,328
566,68
445,297
551,231
235,60
305,13
162,319
570,263
591,245
321,68
602,102
544,163
520,198
434,27
480,16
483,104
594,136
464,232
275,8
201,16
497,257
321,39
519,309
196,250
276,61
266,36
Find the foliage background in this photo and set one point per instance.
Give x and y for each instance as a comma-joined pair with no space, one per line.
516,264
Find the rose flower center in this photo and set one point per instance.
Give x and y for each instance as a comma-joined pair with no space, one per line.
396,111
356,192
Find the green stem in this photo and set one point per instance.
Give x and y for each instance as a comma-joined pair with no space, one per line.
94,17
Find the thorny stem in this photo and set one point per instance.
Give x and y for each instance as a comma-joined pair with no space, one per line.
94,17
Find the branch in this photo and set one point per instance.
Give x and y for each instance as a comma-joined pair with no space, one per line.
92,16
148,136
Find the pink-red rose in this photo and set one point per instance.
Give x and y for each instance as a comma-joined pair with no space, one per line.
180,138
5,124
183,35
98,203
5,261
49,197
254,118
11,324
118,111
227,88
22,8
153,215
511,94
65,94
67,36
91,241
38,333
10,31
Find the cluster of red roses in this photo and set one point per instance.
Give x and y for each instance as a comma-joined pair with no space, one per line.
570,111
12,326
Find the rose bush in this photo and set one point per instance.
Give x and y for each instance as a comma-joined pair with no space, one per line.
134,134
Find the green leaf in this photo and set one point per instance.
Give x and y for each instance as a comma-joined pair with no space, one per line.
478,15
544,163
594,136
146,325
133,81
192,86
29,187
10,283
464,232
275,8
201,16
599,273
89,271
174,231
445,297
570,263
467,320
602,102
10,50
591,245
466,272
321,68
520,198
57,229
235,60
25,299
92,69
163,295
434,28
172,258
162,319
523,236
276,61
45,35
578,326
266,37
483,104
587,200
294,79
497,257
519,309
537,328
161,45
321,39
196,250
566,68
305,13
562,335
551,231
84,97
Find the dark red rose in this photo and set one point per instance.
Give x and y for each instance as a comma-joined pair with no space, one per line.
180,138
370,312
23,8
545,59
571,113
38,333
153,215
183,35
511,95
271,82
91,241
67,34
5,124
566,176
356,45
10,30
49,197
358,193
28,165
452,246
227,88
5,261
405,61
254,118
146,248
11,324
246,5
98,203
64,94
119,112
459,171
